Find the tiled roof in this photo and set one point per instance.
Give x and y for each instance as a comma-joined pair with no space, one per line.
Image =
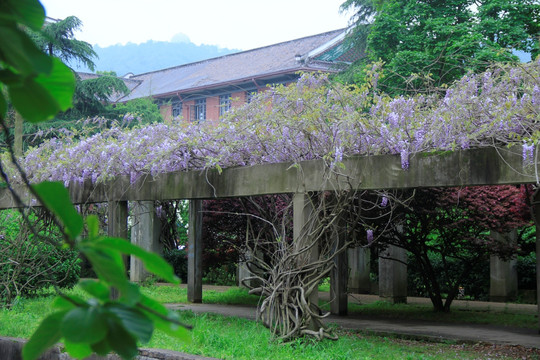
286,57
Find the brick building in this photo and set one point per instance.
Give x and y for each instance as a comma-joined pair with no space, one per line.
205,90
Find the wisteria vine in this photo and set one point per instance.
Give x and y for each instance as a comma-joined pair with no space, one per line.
312,119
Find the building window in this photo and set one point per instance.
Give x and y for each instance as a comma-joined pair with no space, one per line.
249,95
224,104
176,109
199,112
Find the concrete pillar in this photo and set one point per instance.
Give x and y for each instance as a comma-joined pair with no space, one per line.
359,270
393,275
339,274
503,279
117,219
145,231
302,213
117,226
195,252
244,273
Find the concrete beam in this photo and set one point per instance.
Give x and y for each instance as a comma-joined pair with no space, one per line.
486,166
195,252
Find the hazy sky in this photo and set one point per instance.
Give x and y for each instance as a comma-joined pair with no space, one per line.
233,24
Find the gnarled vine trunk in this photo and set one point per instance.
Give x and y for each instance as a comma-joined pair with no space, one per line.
288,266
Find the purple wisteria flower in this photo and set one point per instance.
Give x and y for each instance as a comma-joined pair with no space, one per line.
369,234
536,96
528,153
404,159
343,123
384,201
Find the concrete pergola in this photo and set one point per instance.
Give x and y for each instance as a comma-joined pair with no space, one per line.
474,167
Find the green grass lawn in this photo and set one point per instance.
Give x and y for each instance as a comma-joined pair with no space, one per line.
234,338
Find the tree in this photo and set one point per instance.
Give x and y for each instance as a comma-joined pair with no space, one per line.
57,38
92,95
427,45
447,232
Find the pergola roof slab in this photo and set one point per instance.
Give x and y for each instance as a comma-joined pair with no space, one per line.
486,166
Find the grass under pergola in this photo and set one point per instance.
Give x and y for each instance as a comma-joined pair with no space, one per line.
236,338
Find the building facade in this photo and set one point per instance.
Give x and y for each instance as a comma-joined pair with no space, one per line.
206,90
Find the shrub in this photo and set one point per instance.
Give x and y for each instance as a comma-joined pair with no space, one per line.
224,274
526,269
475,283
30,261
178,260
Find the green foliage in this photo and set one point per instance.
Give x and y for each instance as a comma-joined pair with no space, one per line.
526,269
224,274
433,43
39,86
30,262
475,283
56,38
141,111
115,324
92,95
178,260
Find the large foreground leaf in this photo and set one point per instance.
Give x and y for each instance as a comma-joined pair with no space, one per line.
153,262
41,98
46,335
56,198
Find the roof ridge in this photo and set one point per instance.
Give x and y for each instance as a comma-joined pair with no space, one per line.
237,53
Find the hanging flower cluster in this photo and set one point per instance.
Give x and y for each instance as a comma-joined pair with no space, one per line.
313,119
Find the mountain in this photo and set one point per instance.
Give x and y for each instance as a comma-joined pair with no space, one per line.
151,55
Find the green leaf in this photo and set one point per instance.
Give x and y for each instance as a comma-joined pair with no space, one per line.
101,347
56,198
79,350
168,327
47,334
130,294
107,264
152,262
61,303
92,222
121,341
60,83
41,98
27,12
96,289
134,321
20,52
87,325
